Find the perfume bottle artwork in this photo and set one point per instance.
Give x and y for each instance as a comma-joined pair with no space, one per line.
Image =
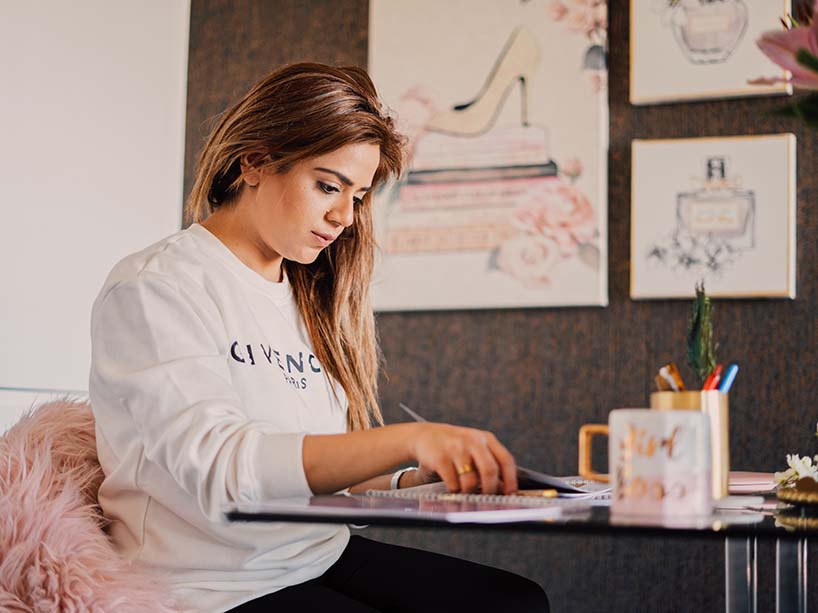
719,210
707,31
714,224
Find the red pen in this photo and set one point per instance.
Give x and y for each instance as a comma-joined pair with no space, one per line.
713,379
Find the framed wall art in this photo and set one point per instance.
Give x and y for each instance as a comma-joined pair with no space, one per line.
504,201
696,49
720,210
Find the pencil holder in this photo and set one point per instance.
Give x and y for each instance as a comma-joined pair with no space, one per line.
714,405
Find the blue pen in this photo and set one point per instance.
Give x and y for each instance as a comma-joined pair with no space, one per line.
729,377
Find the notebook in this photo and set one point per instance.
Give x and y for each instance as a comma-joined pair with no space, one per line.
453,509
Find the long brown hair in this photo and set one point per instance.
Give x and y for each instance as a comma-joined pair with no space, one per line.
296,113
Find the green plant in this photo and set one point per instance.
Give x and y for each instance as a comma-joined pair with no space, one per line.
701,351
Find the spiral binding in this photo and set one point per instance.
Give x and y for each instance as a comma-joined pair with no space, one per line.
511,499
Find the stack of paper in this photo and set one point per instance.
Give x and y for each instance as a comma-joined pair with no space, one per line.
742,482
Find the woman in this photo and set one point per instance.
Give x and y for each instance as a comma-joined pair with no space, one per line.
236,360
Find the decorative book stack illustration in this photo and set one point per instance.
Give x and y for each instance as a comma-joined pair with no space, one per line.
462,192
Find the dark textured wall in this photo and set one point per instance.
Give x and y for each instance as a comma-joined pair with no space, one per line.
526,374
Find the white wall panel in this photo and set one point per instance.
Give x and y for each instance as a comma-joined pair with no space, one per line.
92,105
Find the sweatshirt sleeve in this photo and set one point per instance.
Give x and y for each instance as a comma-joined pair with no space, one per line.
156,361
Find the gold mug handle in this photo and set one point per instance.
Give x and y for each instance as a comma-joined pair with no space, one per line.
586,434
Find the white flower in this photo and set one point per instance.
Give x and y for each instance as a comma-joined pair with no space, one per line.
799,467
786,478
803,466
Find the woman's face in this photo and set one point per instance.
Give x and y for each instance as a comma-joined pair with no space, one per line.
296,214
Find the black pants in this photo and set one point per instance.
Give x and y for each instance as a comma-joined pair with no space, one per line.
371,576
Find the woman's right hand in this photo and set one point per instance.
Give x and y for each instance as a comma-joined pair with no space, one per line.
465,458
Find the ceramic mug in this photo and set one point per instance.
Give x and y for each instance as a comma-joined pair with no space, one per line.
659,461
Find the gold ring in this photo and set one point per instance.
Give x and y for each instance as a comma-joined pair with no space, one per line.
465,469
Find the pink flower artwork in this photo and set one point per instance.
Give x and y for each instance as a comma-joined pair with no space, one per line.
558,10
553,223
599,81
414,109
590,19
571,168
529,259
559,212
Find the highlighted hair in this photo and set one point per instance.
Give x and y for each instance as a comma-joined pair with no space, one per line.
296,113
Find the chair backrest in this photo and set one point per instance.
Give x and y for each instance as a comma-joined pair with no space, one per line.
53,553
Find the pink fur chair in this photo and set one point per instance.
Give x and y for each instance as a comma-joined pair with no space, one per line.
54,553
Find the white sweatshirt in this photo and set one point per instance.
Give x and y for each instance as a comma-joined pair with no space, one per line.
203,383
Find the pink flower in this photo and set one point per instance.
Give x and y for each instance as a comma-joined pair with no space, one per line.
572,168
559,212
581,20
601,16
782,46
414,108
529,259
599,81
588,17
558,10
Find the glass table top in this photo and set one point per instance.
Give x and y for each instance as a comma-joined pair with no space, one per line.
772,518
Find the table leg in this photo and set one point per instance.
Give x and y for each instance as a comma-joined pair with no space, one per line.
740,575
791,575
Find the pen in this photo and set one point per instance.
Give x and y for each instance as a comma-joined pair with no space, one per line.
549,493
411,413
729,377
712,380
671,375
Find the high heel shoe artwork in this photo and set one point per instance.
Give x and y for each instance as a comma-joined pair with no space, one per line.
514,66
467,173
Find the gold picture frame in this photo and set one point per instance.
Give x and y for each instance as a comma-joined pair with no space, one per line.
750,252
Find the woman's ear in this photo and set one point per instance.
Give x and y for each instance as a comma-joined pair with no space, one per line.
251,178
252,165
